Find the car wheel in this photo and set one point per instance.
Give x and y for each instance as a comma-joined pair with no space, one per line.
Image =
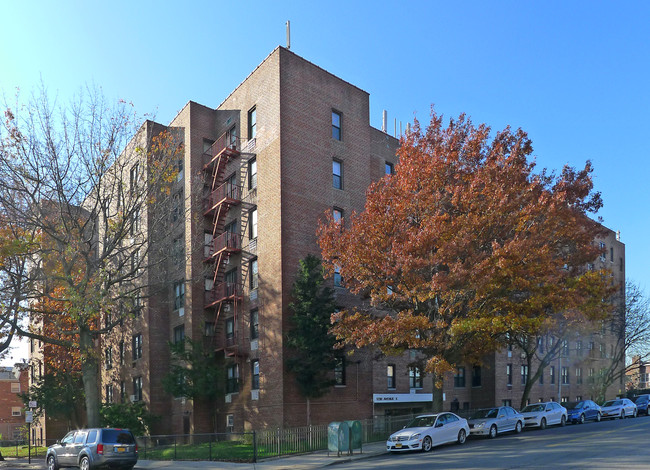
493,431
462,436
563,421
598,418
582,419
634,414
542,424
622,415
84,463
426,444
519,427
51,463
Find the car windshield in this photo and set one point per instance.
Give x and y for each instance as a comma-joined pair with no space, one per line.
422,421
117,436
486,413
574,404
612,403
533,408
640,399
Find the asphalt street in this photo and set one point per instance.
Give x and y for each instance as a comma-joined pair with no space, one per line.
610,445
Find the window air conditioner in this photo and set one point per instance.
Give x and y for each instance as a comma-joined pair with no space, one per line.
255,394
133,398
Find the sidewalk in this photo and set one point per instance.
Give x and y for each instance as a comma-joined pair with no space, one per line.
309,461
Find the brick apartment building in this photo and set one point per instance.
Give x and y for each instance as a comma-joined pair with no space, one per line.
638,374
289,144
13,380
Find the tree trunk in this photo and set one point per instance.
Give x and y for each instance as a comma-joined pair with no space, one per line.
90,376
308,412
437,394
1,457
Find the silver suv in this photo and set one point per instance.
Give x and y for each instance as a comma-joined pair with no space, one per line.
93,449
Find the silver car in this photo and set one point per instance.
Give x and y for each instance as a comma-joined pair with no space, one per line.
544,414
426,431
94,448
492,421
619,408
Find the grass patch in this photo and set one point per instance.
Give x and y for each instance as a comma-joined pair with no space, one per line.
23,451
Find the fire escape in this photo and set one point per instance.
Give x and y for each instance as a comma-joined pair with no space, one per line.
227,208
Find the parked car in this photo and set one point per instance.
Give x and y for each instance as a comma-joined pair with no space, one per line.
426,431
492,421
641,403
94,448
544,414
619,408
581,411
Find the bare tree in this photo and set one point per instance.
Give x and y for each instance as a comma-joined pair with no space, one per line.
632,328
84,185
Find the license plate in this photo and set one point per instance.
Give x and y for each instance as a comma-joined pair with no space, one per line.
119,449
398,445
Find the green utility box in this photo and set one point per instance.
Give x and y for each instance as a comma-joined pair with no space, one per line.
355,435
338,437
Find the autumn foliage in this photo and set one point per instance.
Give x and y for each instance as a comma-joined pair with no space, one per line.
465,243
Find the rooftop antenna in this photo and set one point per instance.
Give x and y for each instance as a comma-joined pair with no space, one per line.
288,34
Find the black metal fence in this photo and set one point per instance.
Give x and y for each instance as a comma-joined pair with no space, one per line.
233,447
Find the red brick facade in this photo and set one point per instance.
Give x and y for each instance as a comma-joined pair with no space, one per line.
13,380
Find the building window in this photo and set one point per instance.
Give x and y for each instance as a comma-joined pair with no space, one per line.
16,411
133,178
255,325
337,174
603,251
231,137
179,295
252,123
552,374
508,374
602,350
255,375
137,346
230,328
137,388
252,174
337,214
336,125
524,375
579,376
579,348
390,375
415,377
122,391
611,254
207,144
232,378
176,207
254,283
338,280
135,221
121,352
506,402
564,400
565,376
208,328
389,169
108,358
339,371
565,348
109,393
590,379
459,377
179,334
252,228
476,376
15,387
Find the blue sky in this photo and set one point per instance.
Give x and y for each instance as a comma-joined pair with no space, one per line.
574,75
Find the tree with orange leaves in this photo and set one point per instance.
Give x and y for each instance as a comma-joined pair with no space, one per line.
83,180
465,245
